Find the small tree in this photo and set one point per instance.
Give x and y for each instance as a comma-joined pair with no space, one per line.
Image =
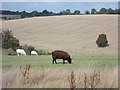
76,12
87,12
45,13
23,14
34,13
8,40
93,11
102,40
103,11
68,12
65,12
110,11
119,11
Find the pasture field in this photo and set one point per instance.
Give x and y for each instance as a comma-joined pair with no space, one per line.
75,34
43,74
79,61
92,66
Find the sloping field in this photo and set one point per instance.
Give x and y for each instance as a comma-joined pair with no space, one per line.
75,34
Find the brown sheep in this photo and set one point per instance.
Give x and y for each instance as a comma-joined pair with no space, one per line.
58,54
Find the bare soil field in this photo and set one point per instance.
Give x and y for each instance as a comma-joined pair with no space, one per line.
74,33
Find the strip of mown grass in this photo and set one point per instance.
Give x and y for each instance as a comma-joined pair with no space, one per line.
85,61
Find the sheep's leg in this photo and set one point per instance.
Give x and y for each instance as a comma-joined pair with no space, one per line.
18,54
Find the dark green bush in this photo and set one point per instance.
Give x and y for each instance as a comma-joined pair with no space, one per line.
48,53
102,40
9,41
12,43
10,51
43,52
30,48
27,49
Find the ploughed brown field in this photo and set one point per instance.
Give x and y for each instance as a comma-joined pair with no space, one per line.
73,33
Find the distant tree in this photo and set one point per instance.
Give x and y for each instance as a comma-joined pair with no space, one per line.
65,12
5,18
45,13
115,11
23,14
97,12
110,11
61,13
119,11
6,12
87,12
9,18
93,11
51,13
102,11
34,13
8,40
68,12
17,13
76,12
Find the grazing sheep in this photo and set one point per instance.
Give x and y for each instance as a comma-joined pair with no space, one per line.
58,54
21,52
34,53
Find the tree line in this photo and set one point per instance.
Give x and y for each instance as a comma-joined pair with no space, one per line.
25,14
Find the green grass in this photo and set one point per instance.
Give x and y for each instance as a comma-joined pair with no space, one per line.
82,61
44,74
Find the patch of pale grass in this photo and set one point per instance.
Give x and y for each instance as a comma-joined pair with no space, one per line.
109,78
59,78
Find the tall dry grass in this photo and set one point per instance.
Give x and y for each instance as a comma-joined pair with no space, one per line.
59,78
72,82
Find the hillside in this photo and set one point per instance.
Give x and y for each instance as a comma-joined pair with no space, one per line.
75,34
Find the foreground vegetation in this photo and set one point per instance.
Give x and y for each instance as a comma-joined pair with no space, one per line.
61,78
85,71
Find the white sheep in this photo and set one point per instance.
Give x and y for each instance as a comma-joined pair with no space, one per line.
21,52
34,53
